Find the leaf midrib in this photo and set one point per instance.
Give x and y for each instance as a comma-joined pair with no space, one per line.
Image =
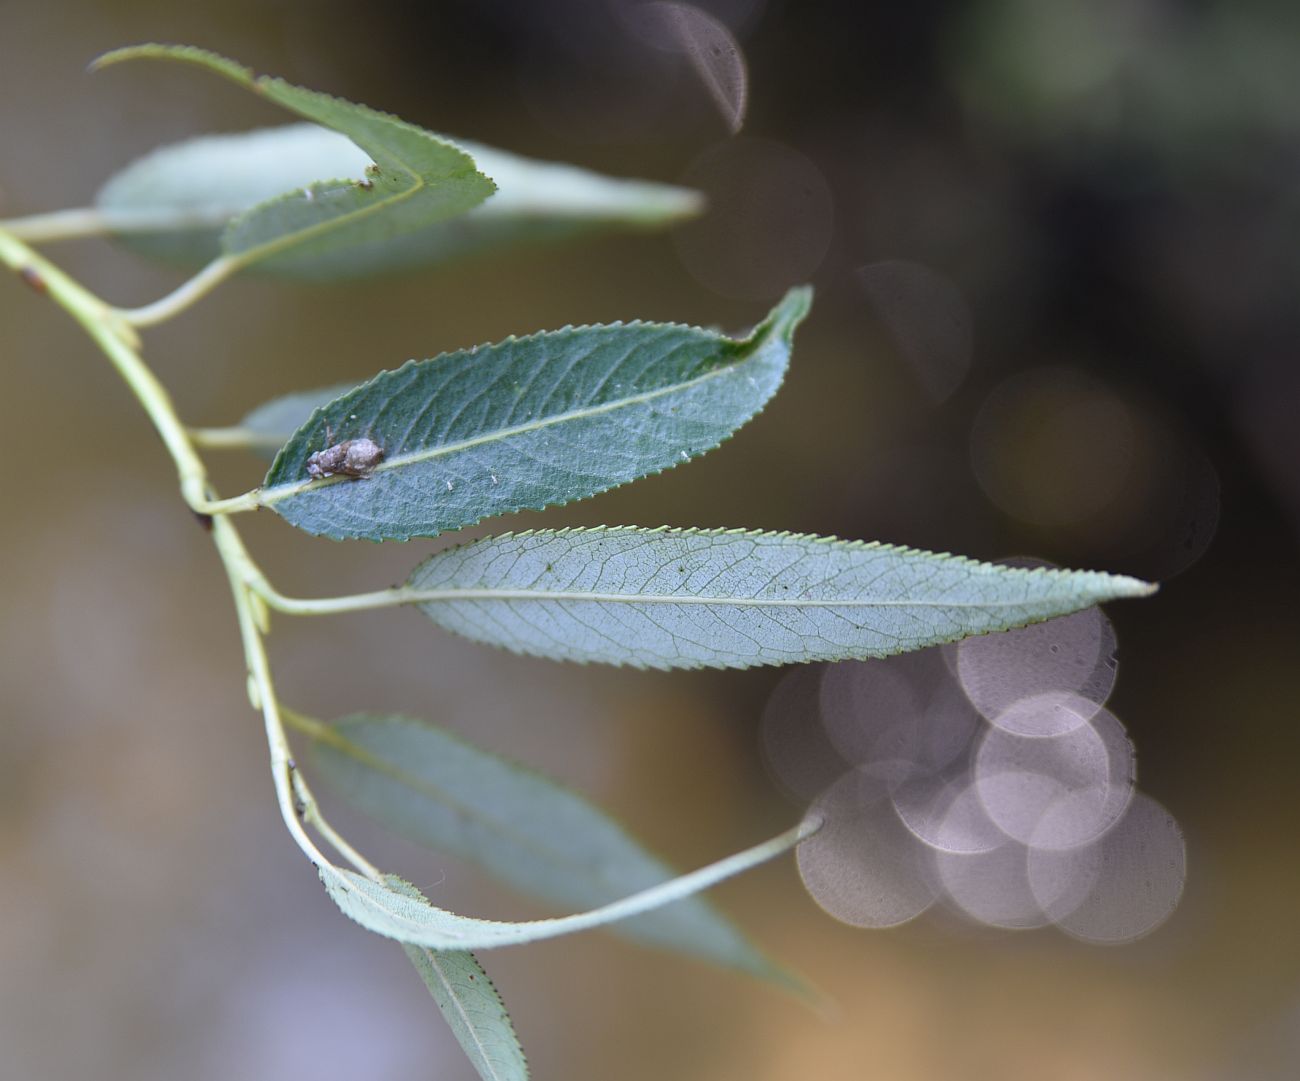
435,963
443,595
273,247
270,496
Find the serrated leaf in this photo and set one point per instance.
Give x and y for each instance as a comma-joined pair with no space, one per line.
529,423
417,178
539,837
665,598
470,1003
397,911
474,1011
174,202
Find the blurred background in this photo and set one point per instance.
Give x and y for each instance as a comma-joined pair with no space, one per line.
1055,253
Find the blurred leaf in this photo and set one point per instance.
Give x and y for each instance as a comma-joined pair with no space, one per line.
471,1005
530,422
710,46
545,840
666,598
397,910
417,177
173,203
269,426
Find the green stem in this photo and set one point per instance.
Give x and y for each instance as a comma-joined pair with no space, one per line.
236,439
247,582
181,298
118,341
59,225
310,812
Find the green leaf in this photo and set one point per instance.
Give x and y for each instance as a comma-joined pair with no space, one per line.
398,911
529,422
425,784
474,1010
471,1005
417,178
666,598
173,203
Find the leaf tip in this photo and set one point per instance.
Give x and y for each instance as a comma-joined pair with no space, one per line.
790,311
1121,586
189,54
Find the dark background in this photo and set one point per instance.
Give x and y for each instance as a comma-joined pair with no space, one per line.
1110,188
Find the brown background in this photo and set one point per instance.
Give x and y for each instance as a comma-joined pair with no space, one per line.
1111,187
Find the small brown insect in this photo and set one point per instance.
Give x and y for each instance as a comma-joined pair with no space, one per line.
351,458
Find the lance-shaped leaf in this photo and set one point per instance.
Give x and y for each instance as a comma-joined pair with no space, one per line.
173,203
529,423
396,910
545,840
666,598
473,1010
416,179
470,1003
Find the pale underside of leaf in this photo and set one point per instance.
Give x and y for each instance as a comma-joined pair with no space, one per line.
474,1011
732,598
417,178
470,1004
539,837
399,913
529,423
174,202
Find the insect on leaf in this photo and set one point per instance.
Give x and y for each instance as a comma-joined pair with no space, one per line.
416,179
667,598
529,423
425,784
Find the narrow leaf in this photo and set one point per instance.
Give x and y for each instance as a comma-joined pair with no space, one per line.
541,838
416,179
173,203
397,911
471,1005
666,598
473,1009
529,422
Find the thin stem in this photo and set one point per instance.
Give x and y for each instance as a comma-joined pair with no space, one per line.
300,722
328,606
98,221
262,695
236,439
59,225
311,814
236,504
181,298
118,342
106,330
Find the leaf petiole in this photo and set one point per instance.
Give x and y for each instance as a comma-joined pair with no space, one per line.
192,291
235,438
58,225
